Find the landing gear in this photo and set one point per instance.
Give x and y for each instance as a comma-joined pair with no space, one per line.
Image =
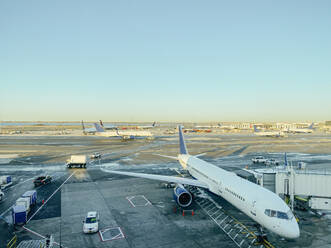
260,234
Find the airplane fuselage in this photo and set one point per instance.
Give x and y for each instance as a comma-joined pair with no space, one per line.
262,205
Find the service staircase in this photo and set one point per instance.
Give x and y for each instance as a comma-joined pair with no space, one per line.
235,230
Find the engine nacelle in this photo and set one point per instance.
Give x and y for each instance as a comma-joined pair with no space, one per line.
182,196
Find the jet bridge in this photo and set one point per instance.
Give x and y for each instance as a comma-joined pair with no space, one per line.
313,186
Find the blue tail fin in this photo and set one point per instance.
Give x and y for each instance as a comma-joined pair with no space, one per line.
285,158
182,145
311,126
255,129
98,127
154,123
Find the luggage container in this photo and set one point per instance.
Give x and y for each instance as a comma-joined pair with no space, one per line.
5,179
32,195
23,201
19,215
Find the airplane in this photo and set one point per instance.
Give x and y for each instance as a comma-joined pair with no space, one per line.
124,134
309,129
147,126
260,204
88,130
269,133
225,127
107,126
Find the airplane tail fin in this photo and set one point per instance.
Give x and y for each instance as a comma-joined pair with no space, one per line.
182,145
311,126
101,124
255,129
285,159
98,127
154,123
83,127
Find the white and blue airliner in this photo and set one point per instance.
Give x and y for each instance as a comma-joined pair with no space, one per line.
260,204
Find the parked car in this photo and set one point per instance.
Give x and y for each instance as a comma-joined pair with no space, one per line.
95,155
91,222
42,180
259,159
272,161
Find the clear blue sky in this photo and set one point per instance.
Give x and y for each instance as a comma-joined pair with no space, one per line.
165,60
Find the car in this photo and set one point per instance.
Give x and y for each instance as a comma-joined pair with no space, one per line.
42,180
272,161
1,195
259,159
95,155
91,222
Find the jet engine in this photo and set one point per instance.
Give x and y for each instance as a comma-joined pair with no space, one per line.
182,196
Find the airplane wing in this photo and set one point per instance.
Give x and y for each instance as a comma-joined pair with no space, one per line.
171,179
166,156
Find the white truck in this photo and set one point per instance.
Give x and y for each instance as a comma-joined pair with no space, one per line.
77,161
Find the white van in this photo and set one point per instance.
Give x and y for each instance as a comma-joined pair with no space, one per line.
91,222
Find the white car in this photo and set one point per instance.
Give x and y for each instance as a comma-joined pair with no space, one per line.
259,159
95,155
1,195
272,162
91,222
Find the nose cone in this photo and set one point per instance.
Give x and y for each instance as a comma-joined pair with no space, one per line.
292,230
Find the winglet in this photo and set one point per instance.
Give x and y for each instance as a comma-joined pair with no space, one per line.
182,145
98,127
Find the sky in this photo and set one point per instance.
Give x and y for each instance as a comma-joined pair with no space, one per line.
187,60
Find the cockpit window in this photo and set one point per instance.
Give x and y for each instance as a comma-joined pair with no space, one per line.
282,215
278,214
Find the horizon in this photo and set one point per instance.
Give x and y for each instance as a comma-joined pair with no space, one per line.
169,61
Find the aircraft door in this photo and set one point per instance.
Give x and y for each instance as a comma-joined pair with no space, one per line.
253,209
220,187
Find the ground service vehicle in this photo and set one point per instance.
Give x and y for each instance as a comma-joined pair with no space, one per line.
77,161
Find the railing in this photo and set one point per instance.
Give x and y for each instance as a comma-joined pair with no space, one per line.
12,242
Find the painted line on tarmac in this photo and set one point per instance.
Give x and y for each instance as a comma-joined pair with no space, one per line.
50,197
39,235
23,182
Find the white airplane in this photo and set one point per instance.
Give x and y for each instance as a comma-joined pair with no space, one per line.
147,126
268,133
124,134
309,129
88,130
260,204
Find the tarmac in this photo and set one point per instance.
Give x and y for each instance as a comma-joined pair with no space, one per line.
138,212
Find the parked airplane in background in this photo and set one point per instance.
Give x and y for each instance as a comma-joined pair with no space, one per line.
226,127
147,126
268,133
124,134
107,126
124,127
309,129
88,130
260,204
